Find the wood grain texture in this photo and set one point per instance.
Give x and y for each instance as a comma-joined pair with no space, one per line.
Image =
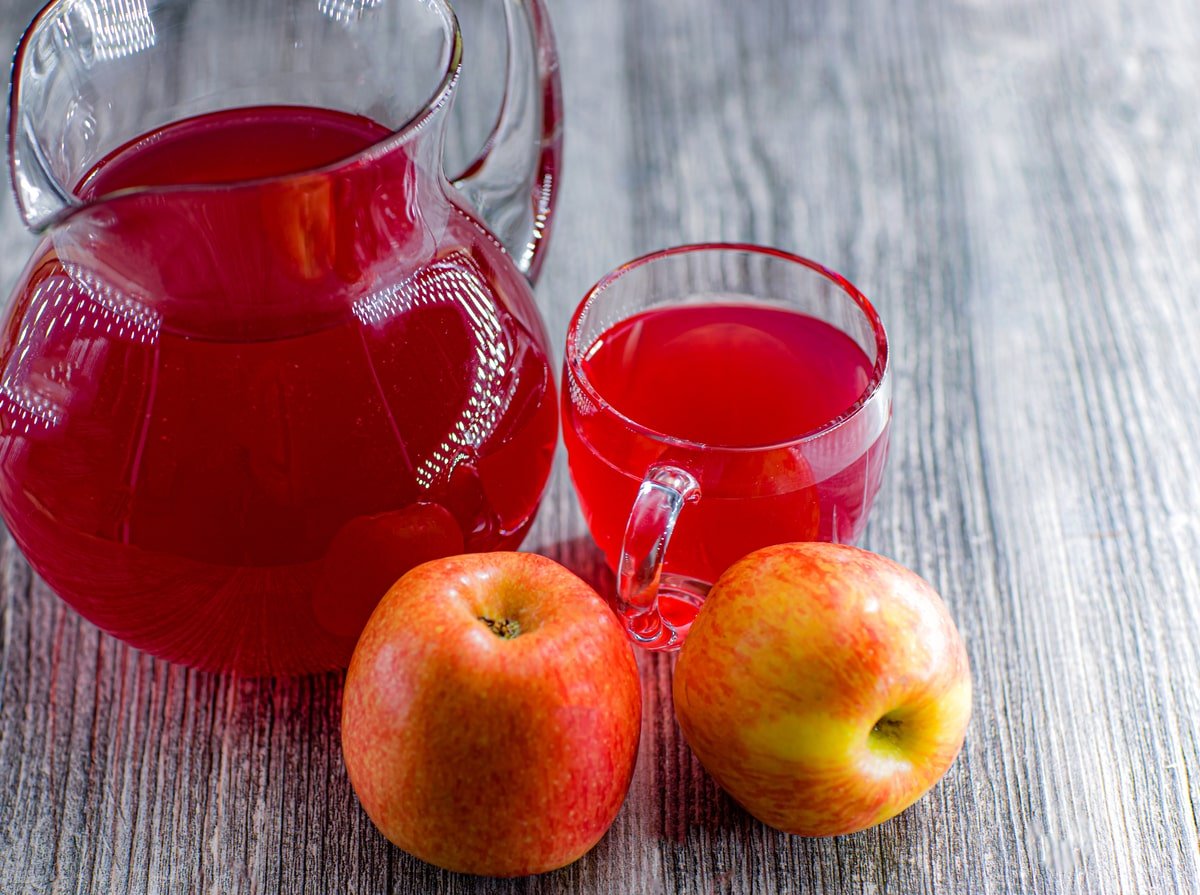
1015,185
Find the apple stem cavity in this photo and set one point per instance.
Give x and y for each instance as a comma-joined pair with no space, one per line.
506,628
888,731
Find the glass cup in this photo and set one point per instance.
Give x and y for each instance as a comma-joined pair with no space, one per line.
683,371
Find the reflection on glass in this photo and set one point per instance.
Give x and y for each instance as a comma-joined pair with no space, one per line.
119,28
346,11
459,284
70,318
102,304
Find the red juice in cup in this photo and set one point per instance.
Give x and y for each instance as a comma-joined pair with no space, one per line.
722,399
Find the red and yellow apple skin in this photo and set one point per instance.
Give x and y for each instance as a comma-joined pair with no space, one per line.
491,715
824,687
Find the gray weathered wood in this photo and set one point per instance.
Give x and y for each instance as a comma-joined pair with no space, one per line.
1015,185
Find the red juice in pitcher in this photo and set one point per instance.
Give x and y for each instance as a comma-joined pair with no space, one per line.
728,392
228,464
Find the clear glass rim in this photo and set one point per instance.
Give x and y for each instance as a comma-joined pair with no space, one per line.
575,350
415,124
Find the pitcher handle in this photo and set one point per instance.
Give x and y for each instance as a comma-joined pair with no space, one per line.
512,187
663,493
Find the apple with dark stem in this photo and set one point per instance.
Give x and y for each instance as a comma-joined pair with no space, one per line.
491,715
824,687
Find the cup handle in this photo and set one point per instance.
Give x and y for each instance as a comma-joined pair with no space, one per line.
513,182
661,497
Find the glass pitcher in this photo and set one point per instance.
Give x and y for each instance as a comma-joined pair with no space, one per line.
266,357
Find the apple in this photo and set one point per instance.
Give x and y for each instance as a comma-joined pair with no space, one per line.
824,687
491,714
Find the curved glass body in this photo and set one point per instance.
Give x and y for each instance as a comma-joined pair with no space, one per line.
265,358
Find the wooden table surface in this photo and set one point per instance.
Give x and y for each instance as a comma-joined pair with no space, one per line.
1015,185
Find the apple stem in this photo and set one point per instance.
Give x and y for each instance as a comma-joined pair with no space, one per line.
508,628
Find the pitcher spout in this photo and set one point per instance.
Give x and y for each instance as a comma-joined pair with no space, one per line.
89,76
37,105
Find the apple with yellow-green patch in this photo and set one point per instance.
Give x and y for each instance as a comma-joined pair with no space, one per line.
826,688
